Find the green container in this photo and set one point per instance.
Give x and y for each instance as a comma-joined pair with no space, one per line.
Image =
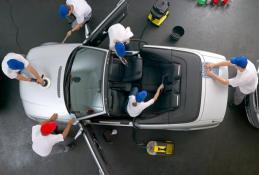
201,2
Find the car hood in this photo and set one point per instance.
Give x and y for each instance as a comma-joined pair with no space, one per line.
215,94
41,102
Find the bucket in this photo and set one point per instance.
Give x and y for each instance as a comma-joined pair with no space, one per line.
177,33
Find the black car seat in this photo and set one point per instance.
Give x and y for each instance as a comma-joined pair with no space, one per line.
159,65
133,71
121,73
173,77
120,82
172,87
126,87
117,100
116,70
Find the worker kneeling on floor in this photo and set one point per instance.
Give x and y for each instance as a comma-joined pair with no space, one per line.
46,139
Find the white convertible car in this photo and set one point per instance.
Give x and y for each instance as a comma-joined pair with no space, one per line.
89,83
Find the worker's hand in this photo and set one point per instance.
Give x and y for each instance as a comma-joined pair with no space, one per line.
71,121
127,41
69,12
54,117
69,33
161,87
115,40
40,81
124,61
209,65
71,9
210,73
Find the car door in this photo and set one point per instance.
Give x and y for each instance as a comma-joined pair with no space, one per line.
100,32
94,147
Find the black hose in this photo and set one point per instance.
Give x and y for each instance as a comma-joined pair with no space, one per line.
139,40
142,34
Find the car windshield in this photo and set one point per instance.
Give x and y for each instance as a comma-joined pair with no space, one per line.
85,82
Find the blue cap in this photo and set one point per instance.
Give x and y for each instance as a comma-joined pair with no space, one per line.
240,61
120,49
141,96
15,64
63,11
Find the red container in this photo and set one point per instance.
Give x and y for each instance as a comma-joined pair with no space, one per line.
215,2
225,2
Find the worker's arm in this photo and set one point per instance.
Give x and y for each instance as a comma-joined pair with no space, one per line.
22,78
68,127
222,63
51,119
217,78
158,92
75,28
71,9
34,73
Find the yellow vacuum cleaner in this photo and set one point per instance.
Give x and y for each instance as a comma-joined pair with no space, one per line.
159,12
160,148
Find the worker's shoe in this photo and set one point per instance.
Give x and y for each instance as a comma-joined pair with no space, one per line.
70,146
110,135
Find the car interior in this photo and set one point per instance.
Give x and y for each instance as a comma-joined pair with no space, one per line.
145,71
180,99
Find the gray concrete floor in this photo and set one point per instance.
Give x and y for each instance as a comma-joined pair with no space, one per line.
231,148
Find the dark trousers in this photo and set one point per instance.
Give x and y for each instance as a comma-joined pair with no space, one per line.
238,96
133,91
62,147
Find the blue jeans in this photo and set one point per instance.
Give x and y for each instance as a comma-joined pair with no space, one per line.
133,91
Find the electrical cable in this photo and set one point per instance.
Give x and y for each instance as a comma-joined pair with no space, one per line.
139,40
15,26
143,31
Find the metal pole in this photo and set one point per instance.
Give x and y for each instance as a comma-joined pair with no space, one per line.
101,169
